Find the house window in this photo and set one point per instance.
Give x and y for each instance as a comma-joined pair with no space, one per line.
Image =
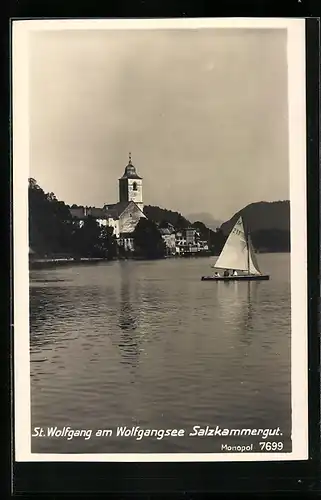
135,186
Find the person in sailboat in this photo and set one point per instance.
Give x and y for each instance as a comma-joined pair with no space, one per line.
217,275
238,251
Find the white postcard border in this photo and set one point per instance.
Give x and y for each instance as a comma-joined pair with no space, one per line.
297,160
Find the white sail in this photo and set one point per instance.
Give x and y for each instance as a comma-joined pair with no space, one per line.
235,251
254,266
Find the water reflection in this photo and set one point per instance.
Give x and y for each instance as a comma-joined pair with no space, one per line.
129,341
153,344
127,314
250,300
237,307
41,308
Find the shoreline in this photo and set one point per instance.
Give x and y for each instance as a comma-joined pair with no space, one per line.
57,262
46,262
43,263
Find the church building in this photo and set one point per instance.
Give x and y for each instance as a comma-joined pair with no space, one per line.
123,216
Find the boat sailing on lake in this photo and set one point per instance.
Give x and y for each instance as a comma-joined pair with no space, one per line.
237,258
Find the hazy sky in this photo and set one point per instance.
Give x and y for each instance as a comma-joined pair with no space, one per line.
203,111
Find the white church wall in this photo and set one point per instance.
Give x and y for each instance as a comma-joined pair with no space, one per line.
130,218
135,191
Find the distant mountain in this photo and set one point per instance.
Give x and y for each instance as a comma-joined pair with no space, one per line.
268,223
206,218
262,215
271,240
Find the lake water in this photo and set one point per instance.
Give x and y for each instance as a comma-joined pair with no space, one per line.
146,343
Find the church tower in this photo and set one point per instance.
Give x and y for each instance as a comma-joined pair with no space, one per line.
131,185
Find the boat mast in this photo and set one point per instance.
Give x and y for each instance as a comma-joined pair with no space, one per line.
248,251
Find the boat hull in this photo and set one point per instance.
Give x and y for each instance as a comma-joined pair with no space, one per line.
253,277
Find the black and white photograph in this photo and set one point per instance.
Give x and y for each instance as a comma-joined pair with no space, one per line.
160,262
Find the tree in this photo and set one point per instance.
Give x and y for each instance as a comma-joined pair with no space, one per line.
203,230
50,223
219,241
148,241
108,243
86,241
52,230
215,239
158,215
94,241
271,240
164,224
181,222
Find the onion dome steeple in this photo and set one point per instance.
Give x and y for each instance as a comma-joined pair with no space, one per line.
130,170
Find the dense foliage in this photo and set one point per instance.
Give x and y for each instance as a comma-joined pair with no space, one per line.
90,240
161,215
271,240
268,223
50,223
262,216
148,241
165,218
52,231
216,239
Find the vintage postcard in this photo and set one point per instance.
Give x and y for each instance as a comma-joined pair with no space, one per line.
160,262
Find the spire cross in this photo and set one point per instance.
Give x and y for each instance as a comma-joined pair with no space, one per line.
130,157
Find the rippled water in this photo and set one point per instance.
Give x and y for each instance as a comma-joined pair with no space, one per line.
148,344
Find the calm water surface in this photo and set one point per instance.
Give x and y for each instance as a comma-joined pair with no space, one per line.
148,344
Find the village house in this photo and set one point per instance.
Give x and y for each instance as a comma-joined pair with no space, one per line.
169,237
124,216
189,241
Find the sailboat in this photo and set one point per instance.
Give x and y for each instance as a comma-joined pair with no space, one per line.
238,257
